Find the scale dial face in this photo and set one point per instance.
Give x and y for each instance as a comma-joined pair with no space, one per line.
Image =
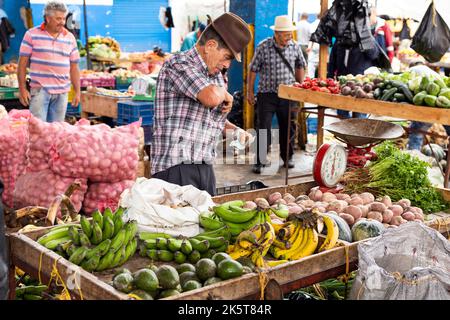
330,164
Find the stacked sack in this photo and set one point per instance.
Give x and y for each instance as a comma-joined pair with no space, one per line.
13,146
97,156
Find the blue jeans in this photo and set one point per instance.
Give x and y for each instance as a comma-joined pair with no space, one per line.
415,139
48,107
346,114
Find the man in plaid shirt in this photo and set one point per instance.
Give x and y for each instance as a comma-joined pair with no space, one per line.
191,105
274,70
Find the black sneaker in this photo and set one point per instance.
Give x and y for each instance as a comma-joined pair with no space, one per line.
257,168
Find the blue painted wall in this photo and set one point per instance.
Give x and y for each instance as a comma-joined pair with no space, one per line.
262,13
11,7
134,23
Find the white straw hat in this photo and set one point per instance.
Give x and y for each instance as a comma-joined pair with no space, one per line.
283,23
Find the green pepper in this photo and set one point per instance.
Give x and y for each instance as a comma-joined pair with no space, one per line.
418,98
433,89
443,102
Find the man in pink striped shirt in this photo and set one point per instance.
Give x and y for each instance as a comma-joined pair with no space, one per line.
53,56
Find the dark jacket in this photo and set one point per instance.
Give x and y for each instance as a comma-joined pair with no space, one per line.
357,61
6,30
4,264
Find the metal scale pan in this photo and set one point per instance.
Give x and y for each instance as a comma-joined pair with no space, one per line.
360,132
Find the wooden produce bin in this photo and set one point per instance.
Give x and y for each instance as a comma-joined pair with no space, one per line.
26,254
99,105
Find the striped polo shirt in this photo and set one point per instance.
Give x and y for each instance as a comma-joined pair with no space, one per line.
50,58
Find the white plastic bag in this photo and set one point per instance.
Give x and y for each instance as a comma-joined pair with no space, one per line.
411,262
157,206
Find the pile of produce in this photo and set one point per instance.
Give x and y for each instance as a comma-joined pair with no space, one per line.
164,281
429,91
104,47
9,68
399,175
105,242
163,247
126,74
9,81
28,288
322,85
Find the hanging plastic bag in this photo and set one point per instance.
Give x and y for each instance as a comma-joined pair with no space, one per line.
432,38
411,262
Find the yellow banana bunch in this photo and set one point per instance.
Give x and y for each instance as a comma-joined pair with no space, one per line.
332,234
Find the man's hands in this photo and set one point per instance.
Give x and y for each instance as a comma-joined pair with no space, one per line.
24,96
227,103
76,99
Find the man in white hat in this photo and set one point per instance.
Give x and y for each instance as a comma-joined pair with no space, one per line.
278,60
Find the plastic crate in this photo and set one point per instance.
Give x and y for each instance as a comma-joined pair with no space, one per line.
148,134
9,93
131,111
311,124
123,83
249,186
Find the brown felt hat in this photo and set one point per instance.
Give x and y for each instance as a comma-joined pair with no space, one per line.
234,32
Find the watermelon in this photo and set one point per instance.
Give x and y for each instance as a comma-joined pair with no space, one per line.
366,228
345,233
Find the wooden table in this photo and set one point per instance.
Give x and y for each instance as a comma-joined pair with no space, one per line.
99,105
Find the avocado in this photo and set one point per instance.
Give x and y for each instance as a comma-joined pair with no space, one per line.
121,270
123,282
168,293
185,267
228,269
146,279
219,256
191,285
142,294
211,280
205,268
188,275
246,261
168,277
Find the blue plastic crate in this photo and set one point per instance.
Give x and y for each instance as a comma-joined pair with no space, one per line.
311,124
131,111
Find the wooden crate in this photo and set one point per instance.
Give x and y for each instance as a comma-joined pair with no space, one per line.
99,105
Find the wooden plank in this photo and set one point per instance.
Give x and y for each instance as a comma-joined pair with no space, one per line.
99,105
26,252
391,109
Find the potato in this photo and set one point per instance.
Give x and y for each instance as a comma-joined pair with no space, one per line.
367,197
315,195
292,204
418,216
295,210
377,206
396,220
309,203
386,200
342,196
408,215
354,195
288,197
337,205
328,197
304,197
375,215
280,201
364,210
354,211
405,203
348,218
356,201
396,209
418,210
387,216
249,205
274,197
262,203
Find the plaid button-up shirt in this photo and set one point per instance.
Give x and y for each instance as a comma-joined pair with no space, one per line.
271,68
184,131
